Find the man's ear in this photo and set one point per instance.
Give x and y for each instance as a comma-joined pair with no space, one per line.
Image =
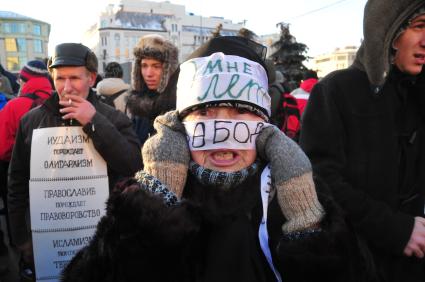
92,76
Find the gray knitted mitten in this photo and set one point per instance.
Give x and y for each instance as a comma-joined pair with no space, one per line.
292,177
166,155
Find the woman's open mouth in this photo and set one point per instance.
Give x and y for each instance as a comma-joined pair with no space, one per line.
224,158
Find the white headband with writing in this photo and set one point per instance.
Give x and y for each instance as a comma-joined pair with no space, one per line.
215,134
221,77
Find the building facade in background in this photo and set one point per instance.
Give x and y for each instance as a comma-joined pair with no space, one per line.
22,39
341,58
120,27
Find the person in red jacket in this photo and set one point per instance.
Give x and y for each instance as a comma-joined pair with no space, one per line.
303,92
35,89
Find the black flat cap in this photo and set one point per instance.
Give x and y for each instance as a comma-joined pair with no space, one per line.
69,54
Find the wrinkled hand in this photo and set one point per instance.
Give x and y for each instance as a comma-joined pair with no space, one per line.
416,244
78,108
166,155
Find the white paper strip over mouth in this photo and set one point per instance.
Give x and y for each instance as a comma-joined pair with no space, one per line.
216,134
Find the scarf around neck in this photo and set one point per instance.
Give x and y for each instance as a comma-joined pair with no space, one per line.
219,179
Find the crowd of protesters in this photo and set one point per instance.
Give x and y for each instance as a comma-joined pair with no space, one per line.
216,171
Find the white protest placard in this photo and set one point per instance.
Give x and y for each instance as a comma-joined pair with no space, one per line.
68,191
57,249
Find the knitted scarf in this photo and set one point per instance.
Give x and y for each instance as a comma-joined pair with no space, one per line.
222,180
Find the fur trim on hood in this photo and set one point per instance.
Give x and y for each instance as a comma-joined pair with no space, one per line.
150,104
156,47
382,20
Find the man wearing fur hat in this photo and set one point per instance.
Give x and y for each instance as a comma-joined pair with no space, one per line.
363,130
225,196
73,68
154,79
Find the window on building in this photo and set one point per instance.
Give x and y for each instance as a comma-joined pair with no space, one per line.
11,45
21,28
36,29
103,38
7,28
23,60
117,54
126,53
14,28
117,38
13,63
104,54
22,44
38,46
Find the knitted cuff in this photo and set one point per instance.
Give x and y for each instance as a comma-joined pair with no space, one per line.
299,203
166,155
172,174
154,186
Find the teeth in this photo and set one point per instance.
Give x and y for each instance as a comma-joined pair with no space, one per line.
223,156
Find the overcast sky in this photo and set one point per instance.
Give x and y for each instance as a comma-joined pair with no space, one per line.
322,25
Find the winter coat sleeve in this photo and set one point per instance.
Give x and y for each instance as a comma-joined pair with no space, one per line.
18,188
324,139
141,238
10,116
114,139
7,133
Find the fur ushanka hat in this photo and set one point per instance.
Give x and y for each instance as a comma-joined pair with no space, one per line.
156,47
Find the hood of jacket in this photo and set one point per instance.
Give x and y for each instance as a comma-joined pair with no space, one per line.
382,20
308,84
37,85
110,86
156,47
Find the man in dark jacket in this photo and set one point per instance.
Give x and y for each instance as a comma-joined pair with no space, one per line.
363,130
73,68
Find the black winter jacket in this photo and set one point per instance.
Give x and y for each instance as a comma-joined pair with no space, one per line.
113,137
363,130
211,236
369,148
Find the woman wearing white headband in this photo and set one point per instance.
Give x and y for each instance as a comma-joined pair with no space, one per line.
225,196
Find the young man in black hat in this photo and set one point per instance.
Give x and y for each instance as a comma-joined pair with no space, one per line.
363,130
73,68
